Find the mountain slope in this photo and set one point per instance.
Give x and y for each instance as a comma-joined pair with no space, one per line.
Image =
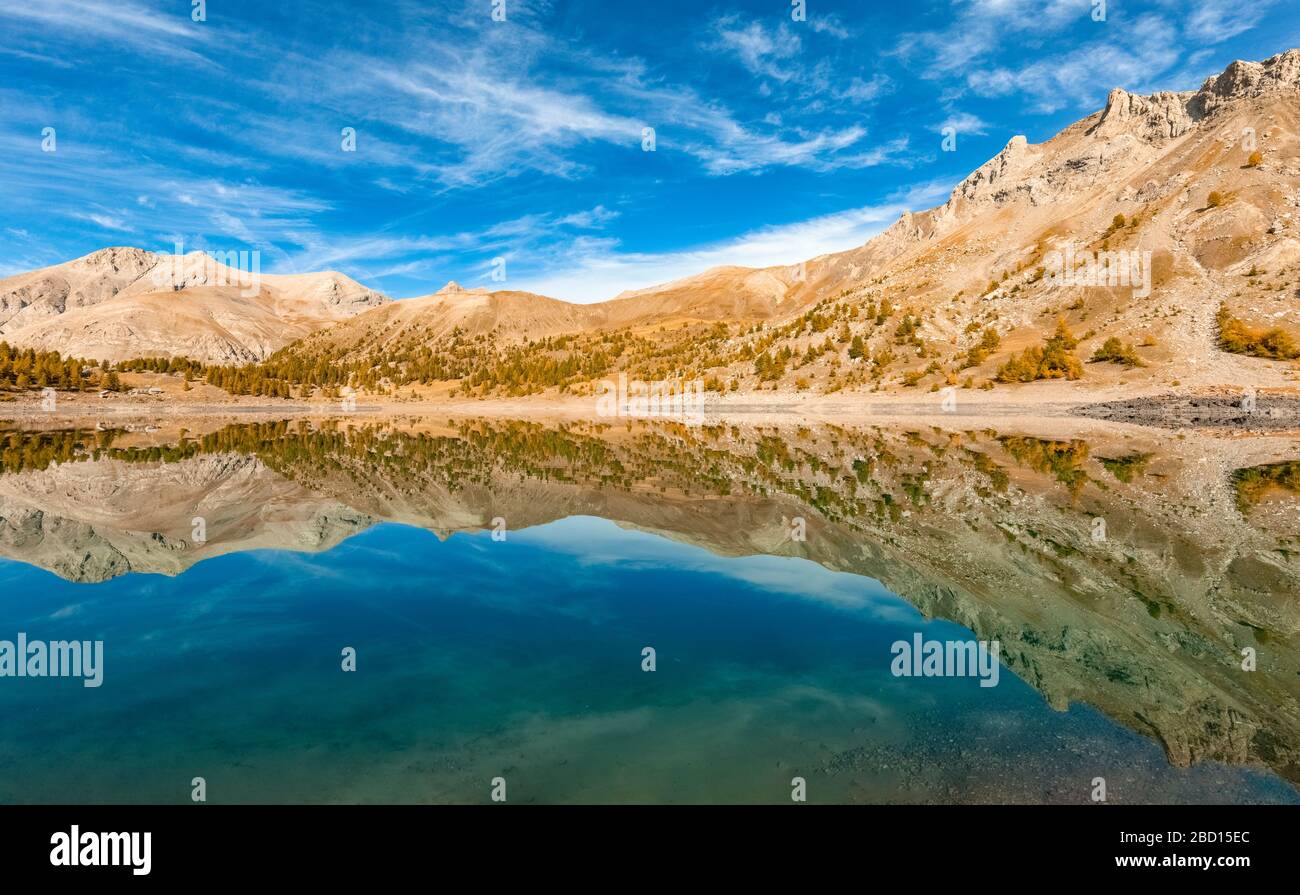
123,303
1198,190
724,294
473,312
977,261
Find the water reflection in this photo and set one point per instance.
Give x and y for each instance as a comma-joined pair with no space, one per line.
1147,617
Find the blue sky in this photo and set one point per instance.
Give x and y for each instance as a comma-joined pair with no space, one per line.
775,139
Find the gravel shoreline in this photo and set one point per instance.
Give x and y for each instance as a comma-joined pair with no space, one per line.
1269,412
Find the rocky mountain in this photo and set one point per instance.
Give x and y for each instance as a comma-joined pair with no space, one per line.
123,303
1130,153
1201,190
434,317
1151,228
1138,223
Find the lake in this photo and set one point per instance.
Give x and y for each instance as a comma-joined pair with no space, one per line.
430,611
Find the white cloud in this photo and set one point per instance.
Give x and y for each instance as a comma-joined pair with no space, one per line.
777,55
480,112
819,152
589,220
964,123
599,271
1129,58
979,27
498,122
394,255
476,104
860,91
829,24
121,23
601,542
763,51
139,196
1131,52
1214,21
104,221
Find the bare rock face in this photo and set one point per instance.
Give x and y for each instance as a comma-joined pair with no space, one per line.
32,297
1245,80
1166,116
1130,132
994,180
1161,116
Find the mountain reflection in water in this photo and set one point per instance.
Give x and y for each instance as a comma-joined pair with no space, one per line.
522,657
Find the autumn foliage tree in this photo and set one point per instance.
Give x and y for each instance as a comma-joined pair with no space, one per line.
1052,360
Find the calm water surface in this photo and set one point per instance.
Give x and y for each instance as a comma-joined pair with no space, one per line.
479,658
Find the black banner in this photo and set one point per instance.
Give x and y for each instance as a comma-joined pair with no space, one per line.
331,844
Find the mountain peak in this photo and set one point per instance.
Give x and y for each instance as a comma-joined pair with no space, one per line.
1165,115
1160,116
454,288
1246,80
990,179
122,302
117,257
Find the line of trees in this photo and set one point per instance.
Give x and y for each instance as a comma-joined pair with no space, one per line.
27,368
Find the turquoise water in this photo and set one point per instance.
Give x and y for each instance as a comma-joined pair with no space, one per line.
522,659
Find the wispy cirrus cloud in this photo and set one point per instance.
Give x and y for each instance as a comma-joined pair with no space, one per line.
1130,59
109,221
763,50
559,255
1214,21
476,106
155,203
978,27
124,23
1130,47
600,270
529,236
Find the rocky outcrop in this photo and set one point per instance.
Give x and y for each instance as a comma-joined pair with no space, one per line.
1121,136
29,298
1247,80
1161,116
